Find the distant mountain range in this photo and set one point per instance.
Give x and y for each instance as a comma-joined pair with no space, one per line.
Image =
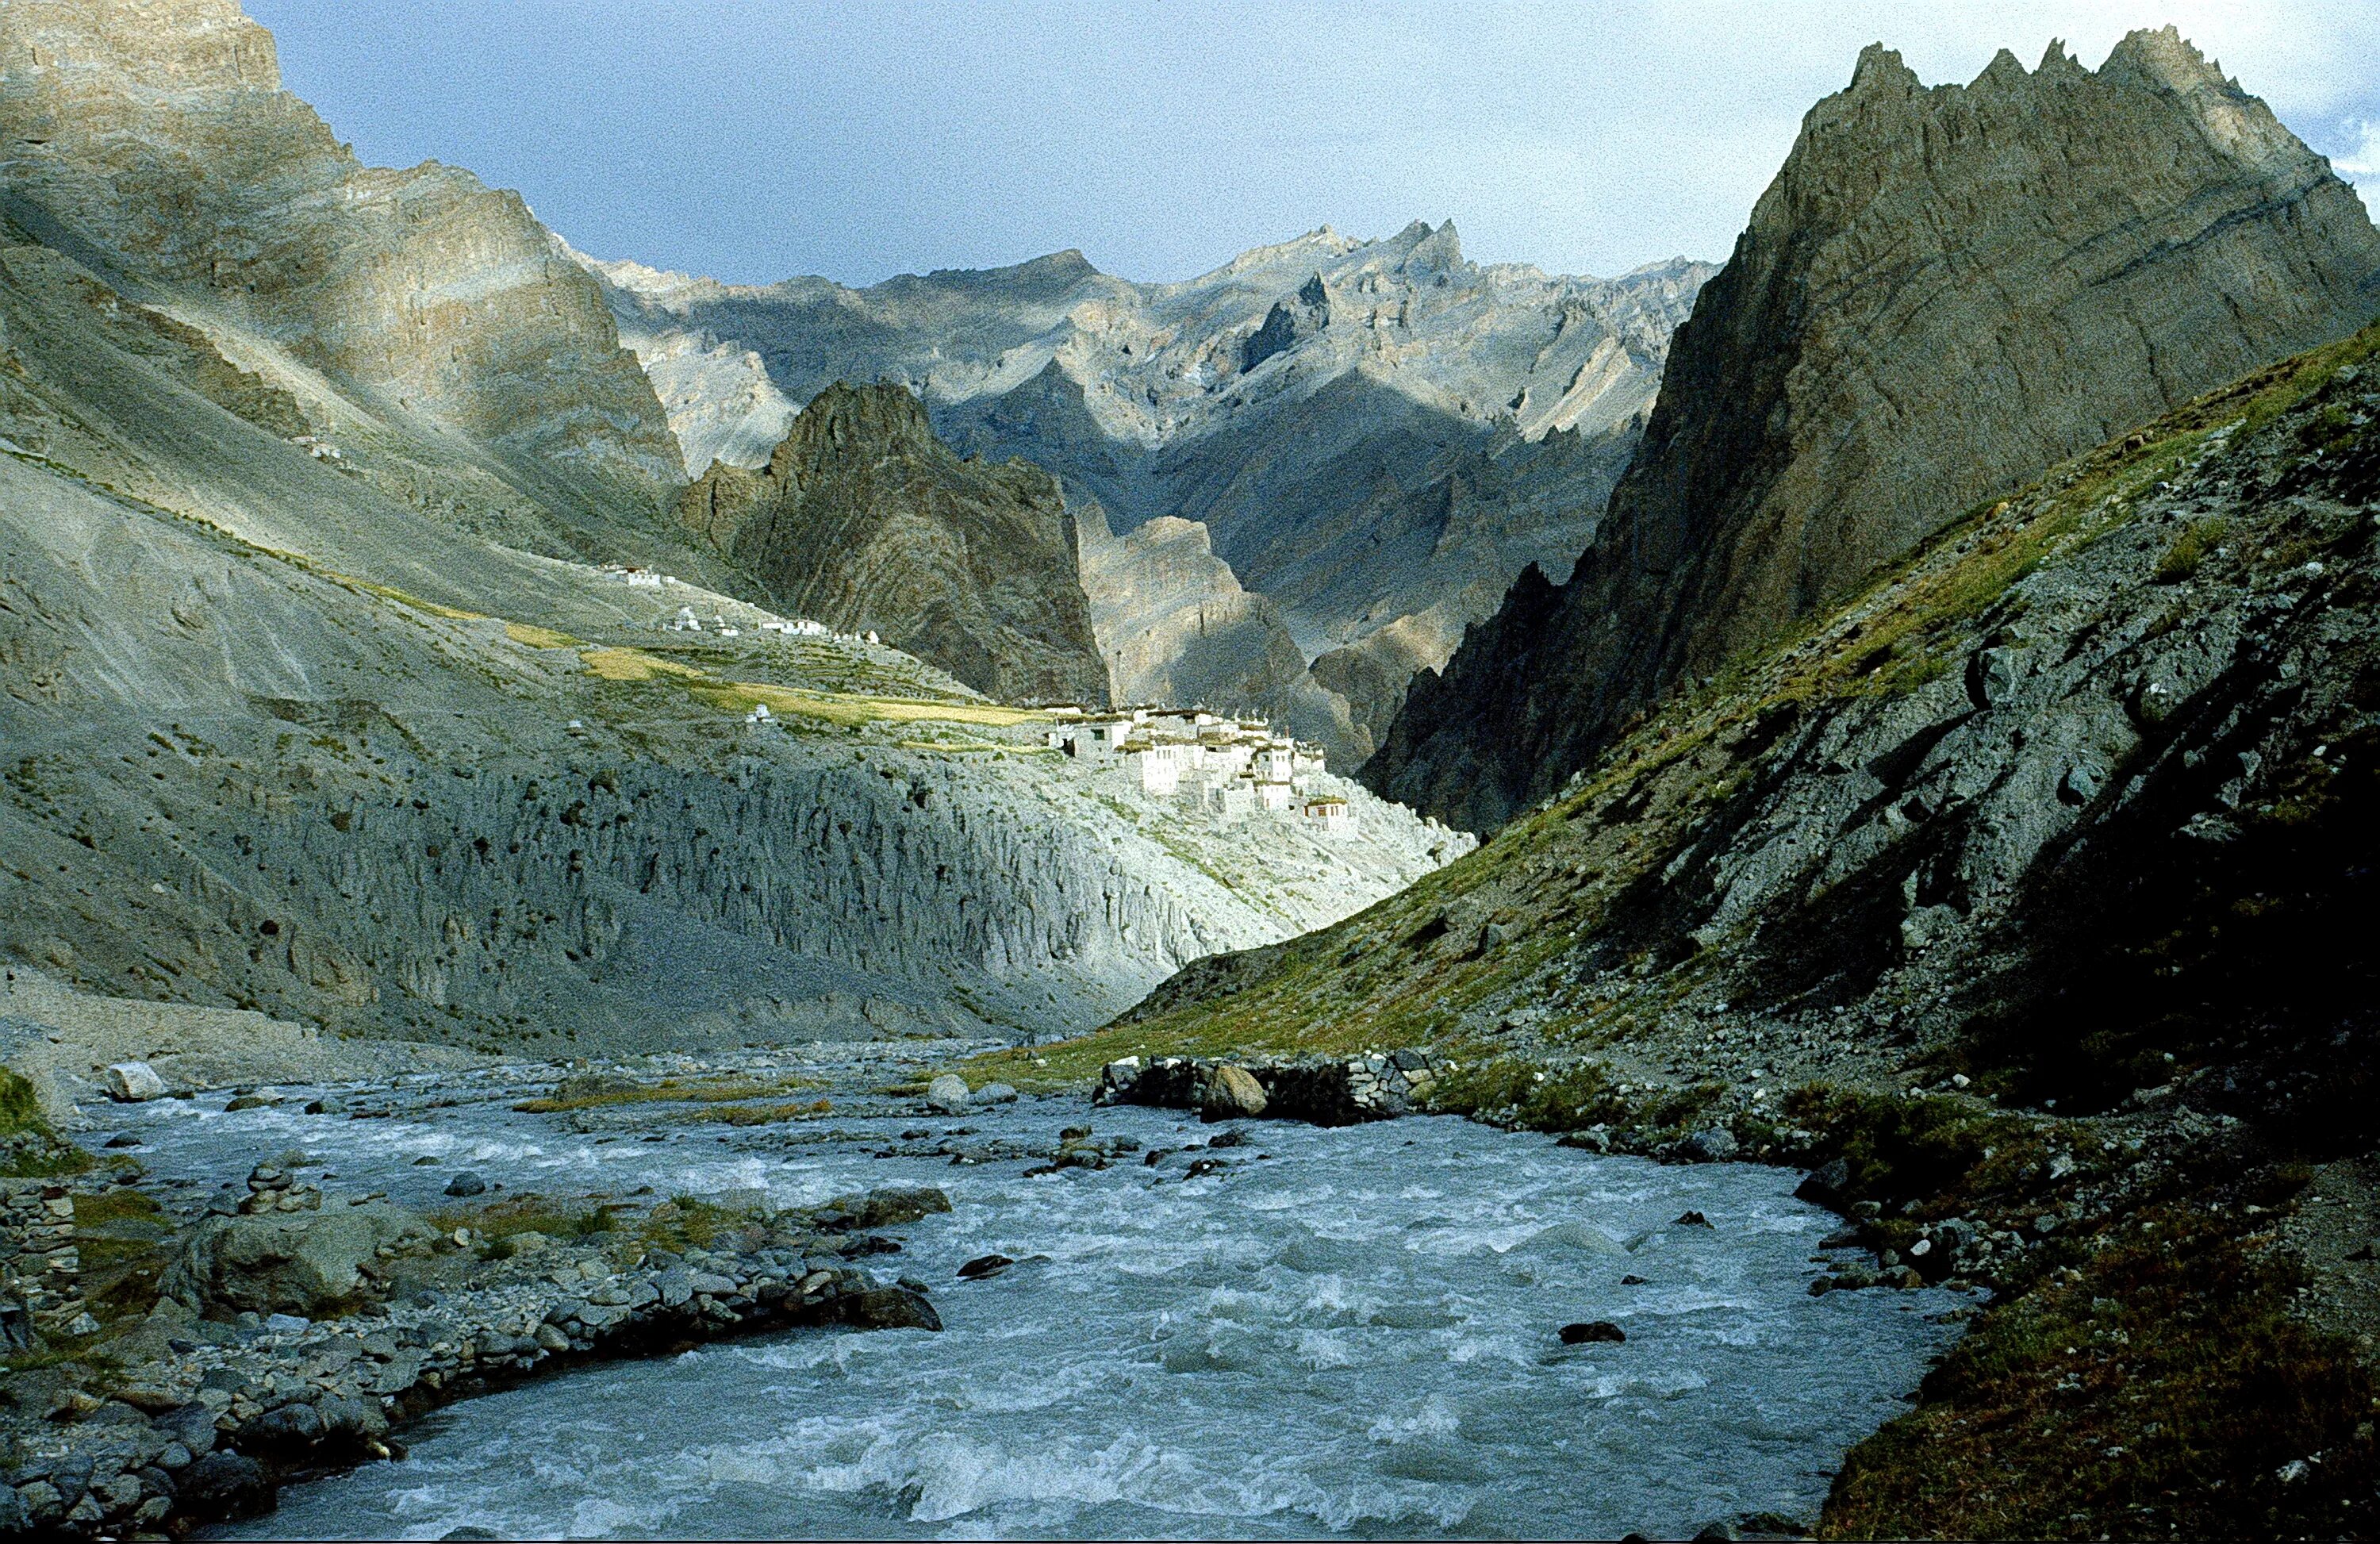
1367,429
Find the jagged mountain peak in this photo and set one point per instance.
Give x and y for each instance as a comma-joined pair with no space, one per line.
2071,253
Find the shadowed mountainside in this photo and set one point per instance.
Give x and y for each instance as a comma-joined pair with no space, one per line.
865,521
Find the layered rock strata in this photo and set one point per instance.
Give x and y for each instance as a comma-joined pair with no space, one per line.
418,319
1942,291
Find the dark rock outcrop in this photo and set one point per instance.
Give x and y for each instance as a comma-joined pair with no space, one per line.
863,520
1943,291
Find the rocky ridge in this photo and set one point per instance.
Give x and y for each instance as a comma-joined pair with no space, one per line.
863,520
1175,626
1867,367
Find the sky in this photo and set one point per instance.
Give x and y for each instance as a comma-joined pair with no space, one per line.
753,139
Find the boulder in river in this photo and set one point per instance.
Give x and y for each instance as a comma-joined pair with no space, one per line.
298,1262
891,1308
133,1082
466,1183
1824,1186
1714,1146
982,1266
1591,1332
948,1094
995,1093
1231,1093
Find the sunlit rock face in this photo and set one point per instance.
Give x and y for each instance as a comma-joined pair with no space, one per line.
152,140
1943,291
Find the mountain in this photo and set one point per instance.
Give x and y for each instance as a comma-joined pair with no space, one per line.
863,521
1366,429
327,691
1943,291
425,328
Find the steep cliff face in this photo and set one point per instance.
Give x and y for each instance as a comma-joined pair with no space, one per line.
1366,429
426,321
1943,291
863,520
1175,628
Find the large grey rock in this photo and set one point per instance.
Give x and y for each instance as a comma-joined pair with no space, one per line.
2124,241
1231,1092
301,1262
948,1093
131,1082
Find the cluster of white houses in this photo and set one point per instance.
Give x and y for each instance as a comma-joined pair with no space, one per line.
1227,766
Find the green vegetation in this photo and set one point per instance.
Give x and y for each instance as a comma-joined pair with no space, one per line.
765,1114
29,1149
498,1224
537,636
2158,1387
1516,1092
685,1223
20,1107
122,1237
2190,550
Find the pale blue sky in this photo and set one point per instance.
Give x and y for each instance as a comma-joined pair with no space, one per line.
752,141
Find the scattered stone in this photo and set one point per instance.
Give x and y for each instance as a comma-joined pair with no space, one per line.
1632,1280
1691,1220
329,1104
996,1093
1592,1332
247,1101
466,1183
127,1140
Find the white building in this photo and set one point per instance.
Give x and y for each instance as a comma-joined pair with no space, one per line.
1160,772
1331,816
1231,800
1272,793
684,622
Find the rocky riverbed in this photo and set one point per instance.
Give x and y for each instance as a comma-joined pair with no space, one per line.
1156,1325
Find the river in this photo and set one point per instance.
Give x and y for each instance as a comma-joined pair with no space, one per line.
1341,1331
